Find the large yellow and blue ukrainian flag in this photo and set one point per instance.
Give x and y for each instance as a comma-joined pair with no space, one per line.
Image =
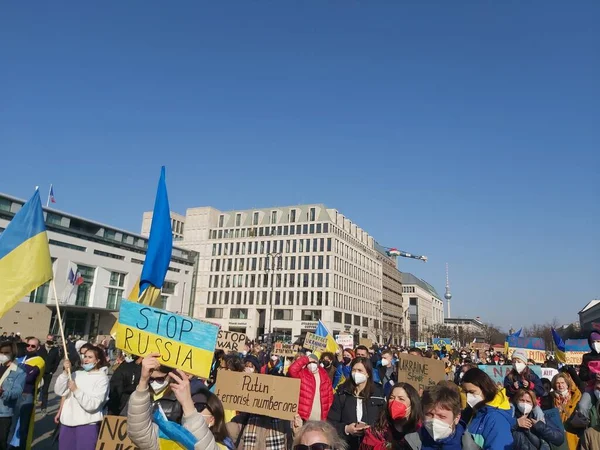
25,262
324,332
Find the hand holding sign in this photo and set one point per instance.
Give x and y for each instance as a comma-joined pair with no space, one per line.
149,364
182,391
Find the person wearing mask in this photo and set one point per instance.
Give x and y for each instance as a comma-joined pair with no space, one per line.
327,359
589,372
399,422
531,431
521,377
488,414
12,383
85,395
273,367
342,372
442,427
251,364
317,435
51,354
386,369
566,397
357,404
123,383
200,425
316,392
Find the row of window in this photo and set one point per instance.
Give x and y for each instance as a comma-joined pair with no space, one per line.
311,315
304,298
311,216
260,280
408,289
280,230
267,247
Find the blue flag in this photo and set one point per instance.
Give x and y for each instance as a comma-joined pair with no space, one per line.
160,243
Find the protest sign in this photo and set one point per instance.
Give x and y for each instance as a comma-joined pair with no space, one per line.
284,350
440,342
548,372
113,435
366,342
231,340
314,342
577,345
183,343
528,343
498,373
267,395
574,358
539,356
421,345
345,340
420,372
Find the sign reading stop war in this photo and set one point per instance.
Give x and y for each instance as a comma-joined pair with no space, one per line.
420,372
183,343
314,342
113,435
230,340
267,395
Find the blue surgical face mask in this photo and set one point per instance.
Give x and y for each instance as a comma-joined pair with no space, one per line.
87,367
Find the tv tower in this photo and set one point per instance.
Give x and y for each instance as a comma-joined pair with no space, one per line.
448,294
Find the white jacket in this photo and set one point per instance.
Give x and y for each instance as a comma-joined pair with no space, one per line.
85,405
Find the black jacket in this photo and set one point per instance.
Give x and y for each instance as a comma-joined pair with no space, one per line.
51,359
122,384
539,436
584,371
343,411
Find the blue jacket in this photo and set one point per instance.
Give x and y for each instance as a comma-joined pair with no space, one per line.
12,389
492,424
453,442
342,371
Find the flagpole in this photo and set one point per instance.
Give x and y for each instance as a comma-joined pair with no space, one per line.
48,201
60,324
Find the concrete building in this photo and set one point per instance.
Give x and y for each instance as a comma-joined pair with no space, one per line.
589,314
465,329
109,260
395,315
329,271
426,308
177,224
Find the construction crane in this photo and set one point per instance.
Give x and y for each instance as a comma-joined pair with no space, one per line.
391,251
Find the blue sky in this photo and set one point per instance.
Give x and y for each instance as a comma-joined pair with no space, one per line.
465,131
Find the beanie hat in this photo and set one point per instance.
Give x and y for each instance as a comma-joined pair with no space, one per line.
595,336
313,357
520,354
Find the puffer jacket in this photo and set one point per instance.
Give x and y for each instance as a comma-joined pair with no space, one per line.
308,388
533,382
343,411
144,433
540,436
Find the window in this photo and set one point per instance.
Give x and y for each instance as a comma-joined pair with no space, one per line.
40,295
348,319
169,287
365,322
311,314
292,216
113,300
273,216
83,290
66,245
284,314
53,219
221,220
238,313
255,219
214,313
238,220
5,204
313,214
356,320
337,317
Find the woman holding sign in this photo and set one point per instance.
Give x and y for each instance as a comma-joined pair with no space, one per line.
85,395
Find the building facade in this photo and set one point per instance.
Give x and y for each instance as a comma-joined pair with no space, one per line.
394,309
589,314
426,308
464,329
110,262
284,269
177,225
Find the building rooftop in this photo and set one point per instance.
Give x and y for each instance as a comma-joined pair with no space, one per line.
409,278
590,305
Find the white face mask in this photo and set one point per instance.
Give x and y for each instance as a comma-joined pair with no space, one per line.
385,362
313,367
244,352
519,366
438,429
525,408
596,346
249,369
129,359
473,400
563,393
359,378
159,386
274,358
3,358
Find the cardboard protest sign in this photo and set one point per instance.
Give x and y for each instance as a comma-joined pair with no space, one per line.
574,358
345,340
267,395
366,342
539,356
420,372
285,350
231,340
183,343
113,435
314,342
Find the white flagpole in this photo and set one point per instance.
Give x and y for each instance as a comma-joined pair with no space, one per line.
48,201
60,324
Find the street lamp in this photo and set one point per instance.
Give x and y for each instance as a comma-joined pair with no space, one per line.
272,264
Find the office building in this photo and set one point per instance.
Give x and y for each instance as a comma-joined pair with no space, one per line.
394,310
109,261
426,308
305,263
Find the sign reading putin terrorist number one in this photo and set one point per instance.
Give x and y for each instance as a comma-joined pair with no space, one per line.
183,343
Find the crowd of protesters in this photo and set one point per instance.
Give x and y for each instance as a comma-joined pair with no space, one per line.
350,399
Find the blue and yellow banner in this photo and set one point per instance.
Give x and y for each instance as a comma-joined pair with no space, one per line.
25,262
183,343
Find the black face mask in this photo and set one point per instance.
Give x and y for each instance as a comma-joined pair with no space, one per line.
347,360
326,364
49,343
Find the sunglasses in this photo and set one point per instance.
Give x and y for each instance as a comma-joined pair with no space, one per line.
317,446
31,346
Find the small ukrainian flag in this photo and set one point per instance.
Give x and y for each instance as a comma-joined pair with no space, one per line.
25,262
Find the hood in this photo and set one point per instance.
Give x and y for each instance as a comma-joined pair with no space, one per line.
500,401
590,340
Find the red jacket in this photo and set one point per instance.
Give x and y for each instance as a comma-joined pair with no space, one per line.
299,370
